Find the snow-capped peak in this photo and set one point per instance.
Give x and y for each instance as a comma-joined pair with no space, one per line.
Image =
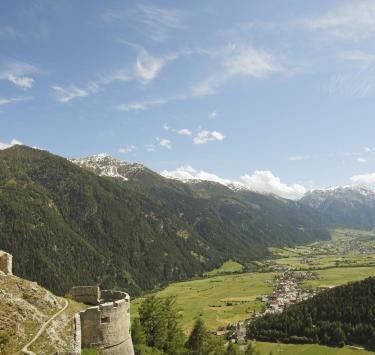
104,164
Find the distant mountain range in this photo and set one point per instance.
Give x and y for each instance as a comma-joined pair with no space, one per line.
350,206
100,220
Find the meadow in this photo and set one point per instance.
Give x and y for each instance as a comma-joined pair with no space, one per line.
227,295
217,300
306,349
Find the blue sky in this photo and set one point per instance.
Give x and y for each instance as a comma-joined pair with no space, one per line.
276,95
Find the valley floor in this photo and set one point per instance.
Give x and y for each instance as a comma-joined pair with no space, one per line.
226,299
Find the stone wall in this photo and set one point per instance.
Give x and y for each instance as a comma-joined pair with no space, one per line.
86,294
77,338
5,263
107,326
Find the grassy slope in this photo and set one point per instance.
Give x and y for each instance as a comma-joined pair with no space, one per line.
218,300
58,336
308,349
229,267
24,307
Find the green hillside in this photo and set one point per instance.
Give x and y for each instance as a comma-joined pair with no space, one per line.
67,226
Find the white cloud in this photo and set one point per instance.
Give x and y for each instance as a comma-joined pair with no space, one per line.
184,132
71,92
350,21
155,22
141,106
160,21
24,82
8,145
248,61
18,73
147,67
260,181
212,114
364,179
359,83
119,75
181,132
357,56
164,143
236,61
204,136
299,157
187,172
361,160
6,101
18,69
128,149
264,181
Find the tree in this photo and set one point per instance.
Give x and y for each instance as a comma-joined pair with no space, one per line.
197,338
138,335
232,349
154,322
175,337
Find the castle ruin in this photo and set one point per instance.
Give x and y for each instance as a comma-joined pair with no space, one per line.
5,263
106,325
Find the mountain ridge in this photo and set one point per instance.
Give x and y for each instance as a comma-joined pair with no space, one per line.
71,226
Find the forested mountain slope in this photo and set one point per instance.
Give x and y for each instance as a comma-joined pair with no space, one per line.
342,315
67,226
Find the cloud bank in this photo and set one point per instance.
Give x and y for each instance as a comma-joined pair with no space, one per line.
262,181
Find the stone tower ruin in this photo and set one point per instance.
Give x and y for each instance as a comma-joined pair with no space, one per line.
106,325
5,263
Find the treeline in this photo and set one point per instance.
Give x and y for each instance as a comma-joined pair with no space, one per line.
335,317
157,331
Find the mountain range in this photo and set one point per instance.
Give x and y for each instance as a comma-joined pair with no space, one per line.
69,223
99,220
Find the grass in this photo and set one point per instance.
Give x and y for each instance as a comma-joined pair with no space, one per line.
341,275
62,328
89,352
217,300
306,349
229,267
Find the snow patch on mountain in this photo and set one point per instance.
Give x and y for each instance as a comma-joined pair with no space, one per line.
105,165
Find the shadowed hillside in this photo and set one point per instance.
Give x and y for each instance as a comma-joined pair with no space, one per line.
69,226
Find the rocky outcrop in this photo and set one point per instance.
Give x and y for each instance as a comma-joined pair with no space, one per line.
5,263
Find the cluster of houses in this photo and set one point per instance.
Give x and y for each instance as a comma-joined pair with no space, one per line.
288,290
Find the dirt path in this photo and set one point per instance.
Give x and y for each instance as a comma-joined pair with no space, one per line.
42,329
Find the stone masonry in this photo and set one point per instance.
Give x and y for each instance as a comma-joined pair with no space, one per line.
86,294
105,327
5,263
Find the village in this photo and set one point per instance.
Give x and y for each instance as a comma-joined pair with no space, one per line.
288,290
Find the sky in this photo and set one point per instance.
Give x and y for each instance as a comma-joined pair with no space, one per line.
278,96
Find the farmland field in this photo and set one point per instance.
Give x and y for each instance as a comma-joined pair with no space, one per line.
306,349
217,300
222,298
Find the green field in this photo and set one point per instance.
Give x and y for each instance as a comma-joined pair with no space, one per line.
217,300
340,275
229,267
307,349
221,298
